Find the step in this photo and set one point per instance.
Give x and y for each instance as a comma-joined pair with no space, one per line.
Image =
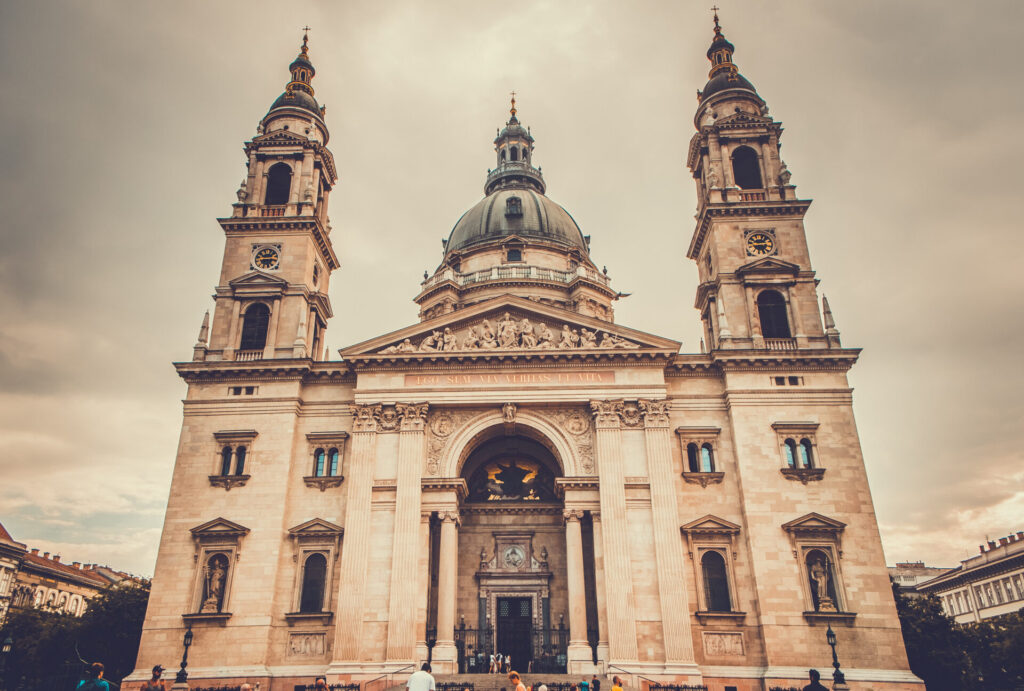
494,682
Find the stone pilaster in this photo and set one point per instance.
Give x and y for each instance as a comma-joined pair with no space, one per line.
579,651
445,655
618,579
405,556
423,586
355,549
599,586
675,610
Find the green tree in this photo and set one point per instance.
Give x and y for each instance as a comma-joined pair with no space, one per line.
937,649
49,646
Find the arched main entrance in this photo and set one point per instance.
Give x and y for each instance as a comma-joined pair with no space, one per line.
512,560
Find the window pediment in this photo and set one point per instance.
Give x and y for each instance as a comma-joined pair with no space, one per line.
316,529
768,265
814,525
710,525
219,529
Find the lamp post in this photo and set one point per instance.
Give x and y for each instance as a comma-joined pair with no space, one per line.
837,676
181,679
5,651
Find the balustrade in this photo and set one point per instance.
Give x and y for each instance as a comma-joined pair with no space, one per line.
272,211
513,271
780,343
248,355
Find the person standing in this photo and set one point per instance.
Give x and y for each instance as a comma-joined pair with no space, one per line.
516,681
595,684
94,679
508,663
815,684
155,684
491,670
422,680
584,686
616,684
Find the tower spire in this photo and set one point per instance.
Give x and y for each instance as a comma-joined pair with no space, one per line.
301,68
720,52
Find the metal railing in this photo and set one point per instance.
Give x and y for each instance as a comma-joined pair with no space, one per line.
385,681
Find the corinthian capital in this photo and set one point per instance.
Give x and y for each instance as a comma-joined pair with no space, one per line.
655,412
450,517
412,415
606,413
569,515
364,417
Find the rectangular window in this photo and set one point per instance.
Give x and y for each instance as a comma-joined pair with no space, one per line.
242,390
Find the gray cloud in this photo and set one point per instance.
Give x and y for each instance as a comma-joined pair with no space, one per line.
123,124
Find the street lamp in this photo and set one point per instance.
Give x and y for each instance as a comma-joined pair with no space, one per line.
5,651
182,676
837,676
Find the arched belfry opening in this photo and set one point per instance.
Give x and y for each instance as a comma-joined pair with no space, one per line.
512,594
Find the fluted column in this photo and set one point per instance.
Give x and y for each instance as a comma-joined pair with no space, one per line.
599,586
579,650
668,547
447,582
423,586
618,581
404,560
355,550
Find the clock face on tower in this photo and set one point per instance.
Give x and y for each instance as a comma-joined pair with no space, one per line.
760,244
266,258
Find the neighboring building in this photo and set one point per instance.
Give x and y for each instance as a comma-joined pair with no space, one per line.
986,585
11,555
906,575
517,472
29,579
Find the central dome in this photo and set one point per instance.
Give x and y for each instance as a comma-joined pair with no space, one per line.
498,216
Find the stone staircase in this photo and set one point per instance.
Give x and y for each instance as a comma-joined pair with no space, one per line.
495,682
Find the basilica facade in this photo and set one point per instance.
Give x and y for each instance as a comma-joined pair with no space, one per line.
516,472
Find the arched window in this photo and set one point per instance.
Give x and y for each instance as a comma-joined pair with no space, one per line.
790,453
318,462
806,455
254,327
707,459
692,457
314,574
279,184
240,460
746,169
225,461
771,309
332,457
502,155
515,154
716,583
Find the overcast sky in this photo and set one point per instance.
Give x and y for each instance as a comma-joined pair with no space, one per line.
122,128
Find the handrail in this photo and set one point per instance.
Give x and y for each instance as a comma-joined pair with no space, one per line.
635,674
388,675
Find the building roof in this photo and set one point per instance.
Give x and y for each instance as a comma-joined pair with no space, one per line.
53,567
993,558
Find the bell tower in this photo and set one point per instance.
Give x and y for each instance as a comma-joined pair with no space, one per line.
757,288
271,301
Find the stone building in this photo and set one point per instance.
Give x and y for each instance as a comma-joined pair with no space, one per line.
989,584
29,579
907,574
517,472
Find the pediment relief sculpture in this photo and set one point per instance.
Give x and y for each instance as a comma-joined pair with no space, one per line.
508,333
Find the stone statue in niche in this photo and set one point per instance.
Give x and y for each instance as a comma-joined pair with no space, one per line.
544,557
508,412
213,591
819,576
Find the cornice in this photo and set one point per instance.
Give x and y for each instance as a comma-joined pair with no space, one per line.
277,369
309,224
810,360
442,360
708,212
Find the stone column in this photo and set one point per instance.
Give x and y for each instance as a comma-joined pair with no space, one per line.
445,655
355,549
405,554
618,580
668,546
275,320
423,586
599,586
792,304
579,651
754,319
229,347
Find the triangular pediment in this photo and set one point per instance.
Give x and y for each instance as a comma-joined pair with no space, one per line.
510,326
280,137
743,119
711,524
768,265
257,279
316,527
220,527
814,523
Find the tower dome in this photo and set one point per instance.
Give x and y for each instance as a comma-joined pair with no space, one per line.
298,93
724,75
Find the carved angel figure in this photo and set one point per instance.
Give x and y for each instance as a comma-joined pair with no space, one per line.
449,343
528,336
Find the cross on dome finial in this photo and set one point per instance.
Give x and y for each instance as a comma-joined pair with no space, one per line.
718,27
305,41
513,108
